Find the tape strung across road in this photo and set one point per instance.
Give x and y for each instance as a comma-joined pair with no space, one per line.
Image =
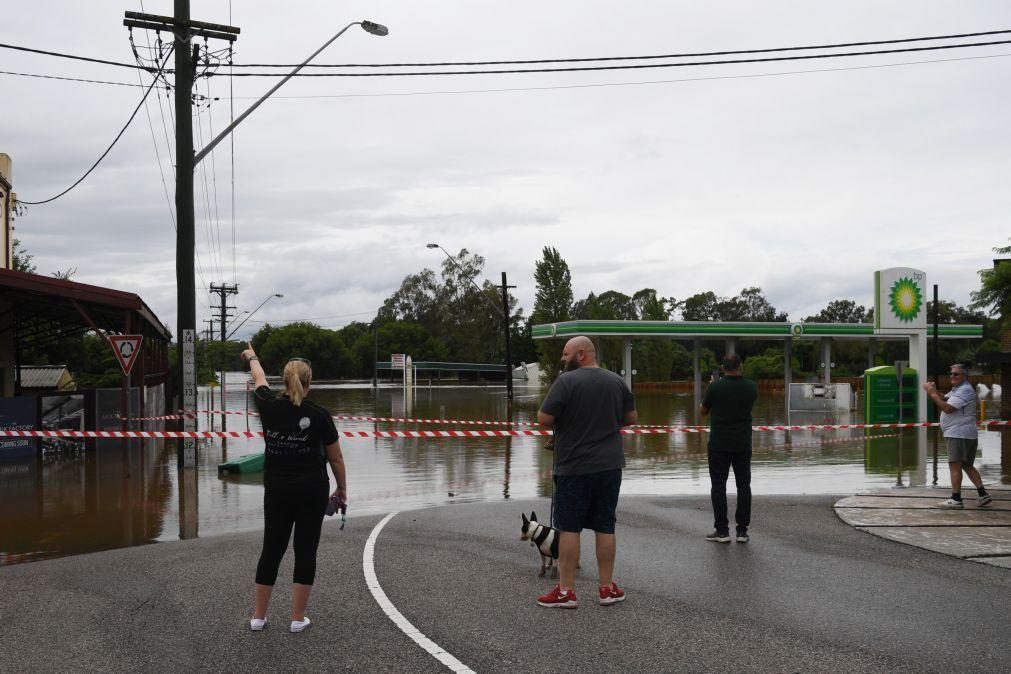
372,581
490,433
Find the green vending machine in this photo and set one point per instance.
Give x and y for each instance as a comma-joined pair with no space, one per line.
882,395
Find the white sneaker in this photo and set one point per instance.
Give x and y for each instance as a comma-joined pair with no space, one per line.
951,503
300,625
257,624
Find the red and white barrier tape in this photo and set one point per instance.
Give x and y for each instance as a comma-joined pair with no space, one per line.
490,433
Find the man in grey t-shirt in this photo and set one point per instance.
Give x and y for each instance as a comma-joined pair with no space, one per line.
958,424
586,407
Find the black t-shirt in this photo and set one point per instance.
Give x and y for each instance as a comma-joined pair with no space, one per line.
295,440
730,401
589,406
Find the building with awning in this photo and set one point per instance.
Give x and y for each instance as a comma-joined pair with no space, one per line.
37,310
729,333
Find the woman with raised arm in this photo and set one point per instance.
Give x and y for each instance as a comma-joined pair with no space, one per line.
300,438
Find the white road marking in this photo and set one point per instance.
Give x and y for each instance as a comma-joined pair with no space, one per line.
369,567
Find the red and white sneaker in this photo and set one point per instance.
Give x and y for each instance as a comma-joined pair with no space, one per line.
611,594
559,599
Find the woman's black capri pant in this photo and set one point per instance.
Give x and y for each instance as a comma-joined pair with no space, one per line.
301,507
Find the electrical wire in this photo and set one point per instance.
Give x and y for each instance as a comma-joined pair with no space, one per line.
212,254
71,79
107,150
638,66
81,58
231,136
214,178
633,84
767,50
157,155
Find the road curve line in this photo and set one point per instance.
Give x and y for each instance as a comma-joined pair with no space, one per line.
372,581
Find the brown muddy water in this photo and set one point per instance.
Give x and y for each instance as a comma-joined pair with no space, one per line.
111,496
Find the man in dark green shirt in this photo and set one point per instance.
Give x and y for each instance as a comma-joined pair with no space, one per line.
730,400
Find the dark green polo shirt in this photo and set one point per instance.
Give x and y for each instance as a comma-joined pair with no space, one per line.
729,401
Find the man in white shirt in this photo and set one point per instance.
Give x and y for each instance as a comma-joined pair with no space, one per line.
958,424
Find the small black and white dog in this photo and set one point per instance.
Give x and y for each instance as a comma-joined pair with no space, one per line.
545,539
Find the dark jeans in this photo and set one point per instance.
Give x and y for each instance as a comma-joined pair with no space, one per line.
301,507
719,471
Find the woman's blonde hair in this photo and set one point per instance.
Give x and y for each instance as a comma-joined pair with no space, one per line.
297,377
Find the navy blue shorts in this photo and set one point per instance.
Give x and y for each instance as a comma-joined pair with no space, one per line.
587,501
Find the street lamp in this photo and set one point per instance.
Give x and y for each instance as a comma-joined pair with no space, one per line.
269,297
503,311
367,26
186,162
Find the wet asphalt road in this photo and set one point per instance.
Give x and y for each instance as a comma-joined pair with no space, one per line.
808,593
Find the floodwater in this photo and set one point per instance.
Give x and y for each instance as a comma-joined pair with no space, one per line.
73,502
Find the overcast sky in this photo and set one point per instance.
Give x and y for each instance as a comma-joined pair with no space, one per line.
680,179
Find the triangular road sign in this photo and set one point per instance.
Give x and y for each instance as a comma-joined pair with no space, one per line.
127,350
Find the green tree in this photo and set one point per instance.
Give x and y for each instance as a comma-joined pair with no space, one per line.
700,307
841,311
994,294
768,365
552,304
22,258
994,297
330,357
653,359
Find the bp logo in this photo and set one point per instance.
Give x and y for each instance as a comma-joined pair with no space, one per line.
796,329
905,299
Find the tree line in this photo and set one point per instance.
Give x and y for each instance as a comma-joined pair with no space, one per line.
446,315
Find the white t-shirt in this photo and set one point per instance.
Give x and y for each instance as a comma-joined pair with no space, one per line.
962,422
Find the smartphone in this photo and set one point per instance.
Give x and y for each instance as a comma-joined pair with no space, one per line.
331,505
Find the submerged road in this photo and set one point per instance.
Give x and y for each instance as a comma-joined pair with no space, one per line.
808,593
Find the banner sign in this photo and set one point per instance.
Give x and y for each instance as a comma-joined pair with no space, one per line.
398,360
18,414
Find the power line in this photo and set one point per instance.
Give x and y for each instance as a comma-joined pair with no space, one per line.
638,66
72,79
214,177
108,149
157,156
231,136
633,84
767,50
83,58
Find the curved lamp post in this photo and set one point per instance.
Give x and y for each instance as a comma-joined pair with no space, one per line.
502,311
367,26
269,297
186,163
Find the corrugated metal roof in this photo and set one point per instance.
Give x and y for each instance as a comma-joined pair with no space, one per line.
41,376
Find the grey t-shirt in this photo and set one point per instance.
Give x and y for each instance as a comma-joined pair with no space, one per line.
589,405
962,422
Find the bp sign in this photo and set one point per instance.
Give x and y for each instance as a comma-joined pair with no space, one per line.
900,299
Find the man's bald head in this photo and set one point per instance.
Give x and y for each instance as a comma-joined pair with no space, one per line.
579,352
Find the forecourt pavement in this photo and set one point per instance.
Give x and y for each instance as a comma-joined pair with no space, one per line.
809,593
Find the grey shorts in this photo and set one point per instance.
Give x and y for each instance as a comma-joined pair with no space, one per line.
962,450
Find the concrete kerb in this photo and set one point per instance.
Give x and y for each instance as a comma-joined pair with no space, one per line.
912,516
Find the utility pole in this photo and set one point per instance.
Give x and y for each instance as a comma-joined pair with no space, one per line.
508,328
223,290
186,53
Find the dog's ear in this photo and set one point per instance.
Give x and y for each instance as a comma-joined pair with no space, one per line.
525,520
533,516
